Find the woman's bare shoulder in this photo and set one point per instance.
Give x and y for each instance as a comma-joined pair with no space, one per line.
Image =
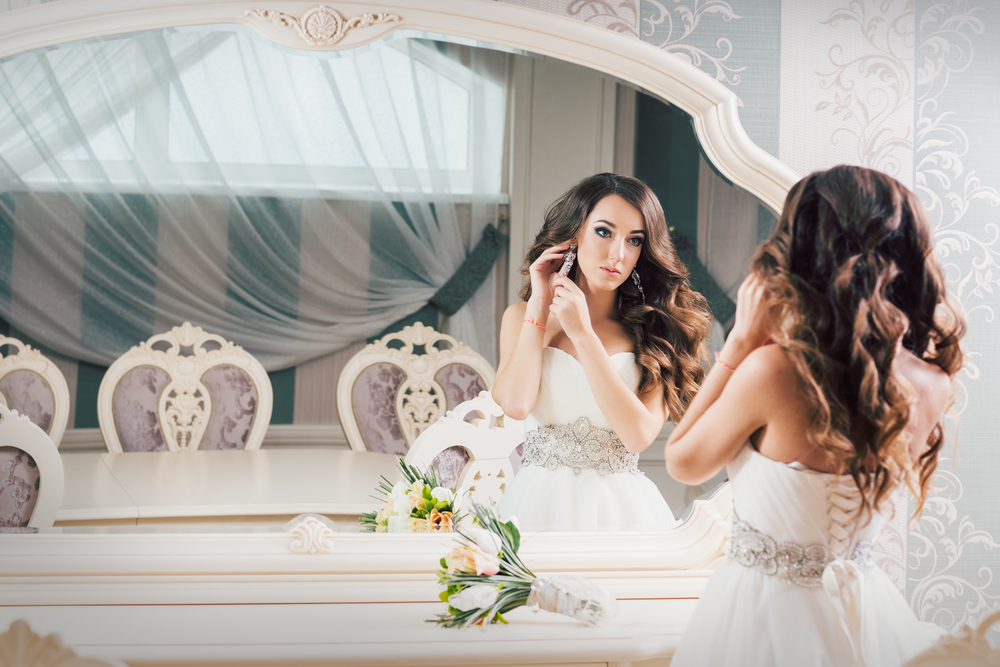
932,385
768,362
516,309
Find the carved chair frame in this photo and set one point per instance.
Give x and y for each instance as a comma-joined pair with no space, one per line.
30,359
18,431
489,439
184,406
420,399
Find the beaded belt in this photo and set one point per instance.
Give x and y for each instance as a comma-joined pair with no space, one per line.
578,446
789,562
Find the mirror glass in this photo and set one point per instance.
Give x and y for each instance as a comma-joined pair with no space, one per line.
209,175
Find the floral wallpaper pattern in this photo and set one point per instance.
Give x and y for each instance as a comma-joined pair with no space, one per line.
953,560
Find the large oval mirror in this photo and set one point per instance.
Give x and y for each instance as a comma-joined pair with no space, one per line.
256,179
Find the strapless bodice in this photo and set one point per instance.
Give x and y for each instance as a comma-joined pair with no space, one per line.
576,474
564,394
567,428
798,505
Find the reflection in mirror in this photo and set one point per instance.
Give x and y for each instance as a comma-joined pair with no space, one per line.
304,203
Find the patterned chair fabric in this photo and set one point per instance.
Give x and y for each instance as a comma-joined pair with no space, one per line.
19,483
234,404
31,384
374,403
29,394
31,473
386,396
134,405
201,392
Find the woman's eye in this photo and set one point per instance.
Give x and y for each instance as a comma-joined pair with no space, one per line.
603,232
636,241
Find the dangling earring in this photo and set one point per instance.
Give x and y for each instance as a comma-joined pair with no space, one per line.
635,279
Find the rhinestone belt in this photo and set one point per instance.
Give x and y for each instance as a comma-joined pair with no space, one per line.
789,562
578,446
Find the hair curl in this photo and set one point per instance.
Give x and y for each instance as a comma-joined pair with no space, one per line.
671,330
850,272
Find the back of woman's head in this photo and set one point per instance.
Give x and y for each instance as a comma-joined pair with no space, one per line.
671,323
851,273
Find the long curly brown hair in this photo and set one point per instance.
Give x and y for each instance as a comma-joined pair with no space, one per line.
671,330
850,273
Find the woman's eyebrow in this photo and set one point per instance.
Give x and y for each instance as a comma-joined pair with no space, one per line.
611,224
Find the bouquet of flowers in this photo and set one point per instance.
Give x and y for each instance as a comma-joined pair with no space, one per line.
484,578
416,504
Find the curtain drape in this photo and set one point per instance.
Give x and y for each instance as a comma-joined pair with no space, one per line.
293,202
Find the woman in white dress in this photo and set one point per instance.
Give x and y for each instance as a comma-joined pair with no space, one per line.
596,360
820,427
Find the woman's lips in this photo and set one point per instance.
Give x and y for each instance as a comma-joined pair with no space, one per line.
614,273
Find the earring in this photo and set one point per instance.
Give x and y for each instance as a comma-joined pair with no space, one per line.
635,279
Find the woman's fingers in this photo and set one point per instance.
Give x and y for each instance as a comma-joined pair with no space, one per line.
550,256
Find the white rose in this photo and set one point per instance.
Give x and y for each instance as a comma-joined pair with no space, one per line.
403,506
399,490
400,524
442,495
479,596
488,542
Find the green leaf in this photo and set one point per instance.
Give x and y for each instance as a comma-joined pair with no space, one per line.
443,596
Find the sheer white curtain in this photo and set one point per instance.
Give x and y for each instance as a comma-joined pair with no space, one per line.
293,202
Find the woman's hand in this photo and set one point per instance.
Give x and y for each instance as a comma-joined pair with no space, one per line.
753,325
542,271
569,305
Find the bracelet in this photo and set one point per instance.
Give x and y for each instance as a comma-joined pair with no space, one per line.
724,364
532,320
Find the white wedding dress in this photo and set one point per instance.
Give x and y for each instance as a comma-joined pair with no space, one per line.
798,588
576,474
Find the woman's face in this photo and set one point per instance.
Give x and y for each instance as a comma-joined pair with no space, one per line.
609,244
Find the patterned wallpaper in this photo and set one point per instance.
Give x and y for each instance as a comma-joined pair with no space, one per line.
908,87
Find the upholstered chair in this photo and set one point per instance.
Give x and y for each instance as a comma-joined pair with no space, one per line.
31,384
396,387
489,437
184,390
31,473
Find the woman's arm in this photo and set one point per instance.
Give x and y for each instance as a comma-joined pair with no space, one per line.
637,421
519,372
731,404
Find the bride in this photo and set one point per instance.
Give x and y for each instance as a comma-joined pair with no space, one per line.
606,344
819,428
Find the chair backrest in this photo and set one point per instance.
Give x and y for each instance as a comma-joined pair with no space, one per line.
388,395
31,473
184,390
480,428
34,386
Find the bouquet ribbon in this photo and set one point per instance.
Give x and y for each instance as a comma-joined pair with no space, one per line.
574,597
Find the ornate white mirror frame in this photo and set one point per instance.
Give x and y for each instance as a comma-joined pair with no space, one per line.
664,565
